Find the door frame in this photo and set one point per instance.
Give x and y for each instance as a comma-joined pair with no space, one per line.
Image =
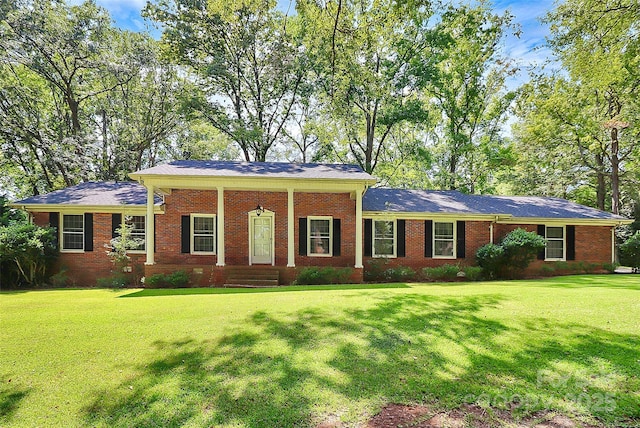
266,214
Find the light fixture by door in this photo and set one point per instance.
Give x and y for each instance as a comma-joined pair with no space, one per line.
259,210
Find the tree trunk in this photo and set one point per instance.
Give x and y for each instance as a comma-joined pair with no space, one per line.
615,172
601,189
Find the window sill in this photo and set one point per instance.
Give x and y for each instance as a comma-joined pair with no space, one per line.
384,256
444,257
318,255
72,251
202,253
555,260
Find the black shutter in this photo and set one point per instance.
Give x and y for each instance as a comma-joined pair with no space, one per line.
54,221
336,236
460,240
428,238
368,230
571,242
116,220
541,232
186,234
400,230
88,232
302,236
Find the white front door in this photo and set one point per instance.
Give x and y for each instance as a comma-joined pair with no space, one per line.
262,240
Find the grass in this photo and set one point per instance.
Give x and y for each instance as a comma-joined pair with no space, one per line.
298,356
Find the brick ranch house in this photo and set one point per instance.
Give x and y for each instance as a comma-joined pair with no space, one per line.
219,220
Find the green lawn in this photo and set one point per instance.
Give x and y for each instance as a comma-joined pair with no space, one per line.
298,356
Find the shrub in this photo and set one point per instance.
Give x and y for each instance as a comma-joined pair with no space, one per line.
491,259
444,272
399,274
375,269
117,280
516,251
177,279
26,252
630,251
323,275
610,267
547,270
60,279
472,273
521,248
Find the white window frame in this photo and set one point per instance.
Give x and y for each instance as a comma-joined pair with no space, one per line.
309,237
395,238
62,233
564,243
192,235
138,235
454,241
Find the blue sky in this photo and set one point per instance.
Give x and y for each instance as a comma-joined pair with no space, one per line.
526,50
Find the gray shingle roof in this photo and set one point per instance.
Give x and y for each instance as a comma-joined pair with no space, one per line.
106,193
258,169
453,202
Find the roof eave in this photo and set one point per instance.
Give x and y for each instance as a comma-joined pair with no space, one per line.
158,208
567,220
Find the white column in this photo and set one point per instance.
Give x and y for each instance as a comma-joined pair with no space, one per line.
220,228
613,244
359,229
291,249
150,226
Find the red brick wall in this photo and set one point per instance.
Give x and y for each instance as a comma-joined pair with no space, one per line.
593,244
476,235
339,206
84,268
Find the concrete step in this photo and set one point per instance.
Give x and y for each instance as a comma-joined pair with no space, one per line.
252,276
250,283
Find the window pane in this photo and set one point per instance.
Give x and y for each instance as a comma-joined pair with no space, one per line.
554,249
383,247
203,244
384,229
137,224
72,241
203,225
443,230
554,232
320,245
72,223
319,227
443,248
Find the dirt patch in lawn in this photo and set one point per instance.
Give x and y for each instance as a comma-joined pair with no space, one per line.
403,416
468,415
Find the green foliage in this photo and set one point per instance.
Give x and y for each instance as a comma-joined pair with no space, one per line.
516,251
176,279
60,279
630,251
399,274
375,268
441,273
26,253
472,273
115,280
9,215
491,259
323,275
610,267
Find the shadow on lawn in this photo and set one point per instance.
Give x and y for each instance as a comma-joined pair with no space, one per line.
10,398
154,292
280,371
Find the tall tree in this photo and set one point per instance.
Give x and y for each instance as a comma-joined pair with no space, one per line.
361,52
468,92
597,42
245,57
